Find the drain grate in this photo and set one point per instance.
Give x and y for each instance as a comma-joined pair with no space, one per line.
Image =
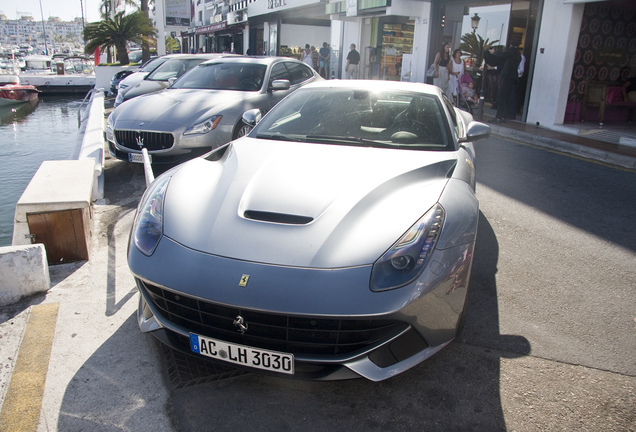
185,370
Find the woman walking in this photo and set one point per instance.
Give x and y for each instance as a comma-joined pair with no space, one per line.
441,68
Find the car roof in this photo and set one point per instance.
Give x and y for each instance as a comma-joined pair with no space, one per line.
256,60
376,85
198,56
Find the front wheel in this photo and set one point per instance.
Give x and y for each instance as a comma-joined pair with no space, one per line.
241,130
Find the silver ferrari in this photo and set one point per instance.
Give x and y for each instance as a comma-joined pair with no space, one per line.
203,108
334,241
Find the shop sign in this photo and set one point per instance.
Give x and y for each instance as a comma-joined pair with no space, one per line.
273,4
211,28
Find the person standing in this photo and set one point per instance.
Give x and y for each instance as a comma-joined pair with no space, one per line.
306,56
508,61
455,71
325,55
314,58
353,59
441,68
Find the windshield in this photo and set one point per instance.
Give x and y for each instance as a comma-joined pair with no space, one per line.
173,68
153,64
386,119
224,76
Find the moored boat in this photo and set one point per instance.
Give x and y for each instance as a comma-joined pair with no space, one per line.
13,91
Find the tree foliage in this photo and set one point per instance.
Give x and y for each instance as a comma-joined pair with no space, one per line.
117,32
474,45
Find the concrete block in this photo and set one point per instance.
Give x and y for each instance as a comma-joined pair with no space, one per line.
23,272
57,186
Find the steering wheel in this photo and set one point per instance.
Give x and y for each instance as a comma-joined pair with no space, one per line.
248,85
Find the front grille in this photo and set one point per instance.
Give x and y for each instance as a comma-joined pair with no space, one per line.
298,335
151,140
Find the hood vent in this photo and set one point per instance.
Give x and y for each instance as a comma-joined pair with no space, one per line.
280,218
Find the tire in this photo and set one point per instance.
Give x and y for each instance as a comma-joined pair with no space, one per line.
242,129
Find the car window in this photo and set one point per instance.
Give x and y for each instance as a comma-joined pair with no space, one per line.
385,119
173,68
279,71
453,115
299,72
224,76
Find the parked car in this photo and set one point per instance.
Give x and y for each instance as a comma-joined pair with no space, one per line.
334,241
203,109
159,78
139,74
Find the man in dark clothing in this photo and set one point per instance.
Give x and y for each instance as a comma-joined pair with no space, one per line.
507,62
353,58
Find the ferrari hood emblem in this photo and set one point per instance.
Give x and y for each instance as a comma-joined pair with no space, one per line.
243,281
240,324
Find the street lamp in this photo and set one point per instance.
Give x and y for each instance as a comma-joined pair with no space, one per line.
474,22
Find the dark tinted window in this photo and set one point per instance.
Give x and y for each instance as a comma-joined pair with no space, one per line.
279,71
299,72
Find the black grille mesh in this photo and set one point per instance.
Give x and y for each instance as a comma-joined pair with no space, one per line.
297,335
151,140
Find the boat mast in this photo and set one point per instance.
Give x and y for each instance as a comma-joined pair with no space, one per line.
46,47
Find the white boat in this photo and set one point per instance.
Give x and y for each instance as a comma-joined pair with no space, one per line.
74,74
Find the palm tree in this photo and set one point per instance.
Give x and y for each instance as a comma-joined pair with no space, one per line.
474,45
117,32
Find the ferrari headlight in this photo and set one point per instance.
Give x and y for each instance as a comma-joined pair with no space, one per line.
204,127
406,260
148,227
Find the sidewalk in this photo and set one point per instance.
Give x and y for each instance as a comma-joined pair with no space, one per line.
614,144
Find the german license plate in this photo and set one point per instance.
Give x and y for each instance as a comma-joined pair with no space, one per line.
242,355
138,158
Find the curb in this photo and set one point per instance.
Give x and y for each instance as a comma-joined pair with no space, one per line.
566,147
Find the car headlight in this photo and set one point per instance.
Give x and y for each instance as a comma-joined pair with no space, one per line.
148,227
204,127
406,260
110,129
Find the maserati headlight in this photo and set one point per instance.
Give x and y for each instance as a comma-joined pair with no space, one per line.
204,127
110,129
148,227
406,260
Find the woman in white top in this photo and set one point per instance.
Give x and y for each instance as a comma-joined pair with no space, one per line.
455,70
307,56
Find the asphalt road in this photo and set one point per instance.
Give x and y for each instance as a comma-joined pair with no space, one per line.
549,341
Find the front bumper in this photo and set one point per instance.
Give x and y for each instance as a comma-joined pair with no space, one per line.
427,312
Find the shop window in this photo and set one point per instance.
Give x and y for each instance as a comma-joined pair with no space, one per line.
397,39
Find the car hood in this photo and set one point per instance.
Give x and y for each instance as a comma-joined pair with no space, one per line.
165,110
302,205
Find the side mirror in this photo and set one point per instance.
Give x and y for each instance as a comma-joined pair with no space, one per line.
475,131
252,117
171,81
282,84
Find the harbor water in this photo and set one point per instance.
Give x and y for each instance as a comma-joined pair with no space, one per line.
29,135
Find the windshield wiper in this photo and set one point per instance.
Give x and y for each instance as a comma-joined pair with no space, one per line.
364,142
280,137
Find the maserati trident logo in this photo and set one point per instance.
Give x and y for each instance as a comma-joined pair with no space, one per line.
240,324
140,140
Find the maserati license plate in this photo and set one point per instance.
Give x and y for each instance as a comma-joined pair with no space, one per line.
242,355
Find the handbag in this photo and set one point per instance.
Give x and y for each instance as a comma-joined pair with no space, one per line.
431,71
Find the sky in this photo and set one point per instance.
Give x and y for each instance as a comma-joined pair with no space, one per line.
67,10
